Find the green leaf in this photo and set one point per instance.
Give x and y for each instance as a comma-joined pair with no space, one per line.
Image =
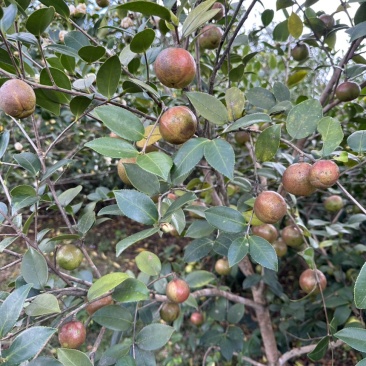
8,18
295,26
132,239
27,344
86,222
248,120
114,317
296,77
91,54
53,169
332,134
357,31
179,203
302,119
43,304
357,141
148,263
154,336
28,161
199,229
4,142
44,361
142,41
179,221
361,363
226,219
146,87
7,241
280,32
208,106
131,290
238,249
76,40
68,196
11,309
4,209
112,147
281,92
142,180
157,163
78,105
73,357
60,79
267,17
105,283
137,206
268,143
354,337
320,350
282,4
39,20
235,102
235,313
59,5
34,268
220,155
263,252
197,249
360,289
65,237
261,98
110,210
108,76
46,103
147,8
199,278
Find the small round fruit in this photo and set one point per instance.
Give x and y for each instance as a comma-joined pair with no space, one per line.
177,290
197,318
300,52
242,137
295,179
103,3
175,67
266,231
178,125
222,267
328,21
312,280
98,304
270,207
333,203
17,99
69,257
280,247
324,174
210,37
292,236
72,335
169,311
347,91
221,12
122,170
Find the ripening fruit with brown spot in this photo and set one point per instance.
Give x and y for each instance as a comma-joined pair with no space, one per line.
175,67
324,174
333,203
122,170
222,267
169,311
177,290
347,91
210,37
296,181
72,335
221,12
98,304
280,247
17,98
292,236
178,125
270,207
312,281
266,231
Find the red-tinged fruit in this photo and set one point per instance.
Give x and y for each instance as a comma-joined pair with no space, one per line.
270,207
324,174
177,290
72,335
333,203
197,318
222,267
221,12
169,311
178,125
312,280
266,231
292,236
175,68
295,179
98,304
348,91
210,37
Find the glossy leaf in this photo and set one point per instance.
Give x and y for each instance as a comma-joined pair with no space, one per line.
79,104
73,357
4,142
361,363
60,79
157,163
8,18
148,263
108,76
360,289
91,53
43,304
235,101
357,31
105,283
112,147
208,106
357,141
86,221
114,317
226,219
46,103
197,249
142,180
295,26
34,268
281,92
263,252
131,290
238,249
142,41
302,120
179,203
39,20
11,308
44,361
154,336
248,120
68,196
268,143
151,133
354,337
332,134
147,8
59,5
261,98
199,229
235,313
28,161
137,206
76,40
267,17
199,278
320,350
280,31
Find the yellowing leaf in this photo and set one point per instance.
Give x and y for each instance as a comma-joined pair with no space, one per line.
248,216
296,77
295,26
155,136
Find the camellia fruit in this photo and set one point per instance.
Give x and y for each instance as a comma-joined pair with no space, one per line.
270,207
324,174
17,98
197,318
328,21
266,231
295,179
280,247
69,257
222,267
122,170
312,281
98,304
300,52
103,3
175,67
169,311
210,37
72,335
333,203
292,236
178,125
221,12
177,290
348,91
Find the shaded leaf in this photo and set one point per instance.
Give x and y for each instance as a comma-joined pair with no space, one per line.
28,161
357,31
112,147
34,268
238,249
131,290
199,278
108,76
91,53
4,142
157,163
226,219
332,134
154,336
354,337
248,120
268,143
357,141
360,289
261,98
73,357
148,263
114,317
263,252
142,180
320,350
39,20
105,283
142,41
197,249
43,304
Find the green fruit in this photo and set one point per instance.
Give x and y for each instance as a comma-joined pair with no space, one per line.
348,91
312,281
300,52
72,335
210,37
328,21
222,267
292,236
177,290
280,247
169,311
103,3
333,203
270,207
69,257
295,179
